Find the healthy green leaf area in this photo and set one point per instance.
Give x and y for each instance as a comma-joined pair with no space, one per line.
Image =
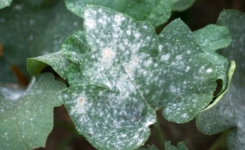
229,111
4,3
26,118
121,71
155,12
30,29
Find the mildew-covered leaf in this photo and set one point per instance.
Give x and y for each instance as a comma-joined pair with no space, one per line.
180,146
4,3
109,119
155,12
75,47
119,60
182,5
32,29
26,118
188,77
56,60
211,38
229,111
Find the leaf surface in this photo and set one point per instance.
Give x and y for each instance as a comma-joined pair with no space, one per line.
26,118
33,29
4,3
56,60
229,111
188,78
155,12
211,38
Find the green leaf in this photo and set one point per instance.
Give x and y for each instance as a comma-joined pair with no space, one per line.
56,60
109,119
34,29
188,77
76,47
211,38
155,12
182,5
4,3
125,55
180,146
228,112
118,109
26,118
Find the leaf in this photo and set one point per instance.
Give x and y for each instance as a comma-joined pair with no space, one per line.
109,119
76,52
180,146
56,60
155,12
26,118
211,38
188,78
32,29
4,3
182,5
116,111
229,111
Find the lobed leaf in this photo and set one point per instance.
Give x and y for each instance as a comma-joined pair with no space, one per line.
187,77
211,38
228,112
26,118
120,68
155,12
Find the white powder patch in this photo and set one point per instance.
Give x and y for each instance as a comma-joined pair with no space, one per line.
90,23
165,57
79,107
209,70
108,56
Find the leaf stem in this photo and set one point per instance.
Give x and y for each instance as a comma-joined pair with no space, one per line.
220,141
159,134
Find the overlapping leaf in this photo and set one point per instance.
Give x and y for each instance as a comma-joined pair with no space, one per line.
212,38
56,60
155,12
187,77
229,111
30,29
26,118
122,61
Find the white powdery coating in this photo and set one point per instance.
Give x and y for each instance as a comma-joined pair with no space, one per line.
120,55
